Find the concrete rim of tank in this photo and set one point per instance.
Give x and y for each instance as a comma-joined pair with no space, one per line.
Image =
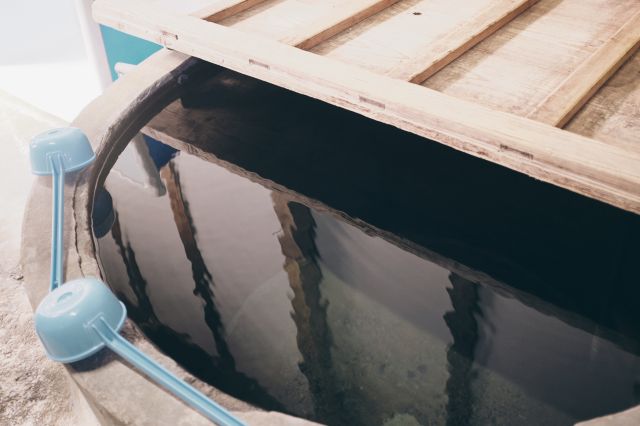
116,393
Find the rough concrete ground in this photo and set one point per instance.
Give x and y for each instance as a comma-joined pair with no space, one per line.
33,389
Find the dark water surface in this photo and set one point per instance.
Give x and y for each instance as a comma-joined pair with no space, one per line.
402,283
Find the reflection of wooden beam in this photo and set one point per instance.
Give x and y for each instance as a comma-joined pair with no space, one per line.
309,313
201,275
143,313
341,18
235,381
182,219
460,354
174,118
172,128
304,279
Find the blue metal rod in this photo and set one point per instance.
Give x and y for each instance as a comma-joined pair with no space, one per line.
57,236
163,377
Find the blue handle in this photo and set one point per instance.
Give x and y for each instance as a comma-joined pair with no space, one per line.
57,167
188,394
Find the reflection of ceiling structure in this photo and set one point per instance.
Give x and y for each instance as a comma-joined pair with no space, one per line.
362,312
228,136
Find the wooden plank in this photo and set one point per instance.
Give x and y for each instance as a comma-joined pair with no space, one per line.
461,39
567,99
174,136
586,166
305,24
613,114
335,22
519,66
400,33
224,9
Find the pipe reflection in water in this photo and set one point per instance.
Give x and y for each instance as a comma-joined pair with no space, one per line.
300,310
309,313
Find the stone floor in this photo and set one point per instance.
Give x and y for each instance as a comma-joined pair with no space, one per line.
33,390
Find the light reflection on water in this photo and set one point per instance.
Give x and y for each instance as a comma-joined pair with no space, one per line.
298,309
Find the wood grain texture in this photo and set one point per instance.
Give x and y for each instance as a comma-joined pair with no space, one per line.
516,68
567,99
400,33
305,23
462,38
173,127
609,173
613,114
223,9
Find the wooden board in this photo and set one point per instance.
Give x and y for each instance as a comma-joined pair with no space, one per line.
491,63
516,69
435,32
309,22
613,114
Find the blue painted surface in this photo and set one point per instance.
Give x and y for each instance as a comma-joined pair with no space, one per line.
121,47
160,153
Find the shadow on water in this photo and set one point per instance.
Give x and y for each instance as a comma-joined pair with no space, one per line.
562,247
177,345
314,314
204,289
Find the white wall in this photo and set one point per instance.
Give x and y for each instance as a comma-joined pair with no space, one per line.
43,58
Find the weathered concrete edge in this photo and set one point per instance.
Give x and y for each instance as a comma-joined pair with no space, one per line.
115,392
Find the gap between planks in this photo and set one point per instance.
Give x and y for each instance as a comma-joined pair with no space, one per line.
416,70
224,9
334,23
350,13
569,97
452,45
